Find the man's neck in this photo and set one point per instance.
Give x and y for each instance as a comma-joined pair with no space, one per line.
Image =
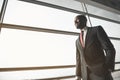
84,28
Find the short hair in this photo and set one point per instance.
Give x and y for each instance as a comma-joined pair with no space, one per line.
81,17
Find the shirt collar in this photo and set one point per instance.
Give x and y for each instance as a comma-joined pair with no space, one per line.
84,29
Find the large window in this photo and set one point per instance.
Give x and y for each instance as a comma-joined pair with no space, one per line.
25,48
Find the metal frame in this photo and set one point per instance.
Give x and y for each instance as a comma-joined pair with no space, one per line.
2,13
36,68
21,27
42,68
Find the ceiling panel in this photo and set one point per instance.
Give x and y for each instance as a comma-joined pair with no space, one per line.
115,4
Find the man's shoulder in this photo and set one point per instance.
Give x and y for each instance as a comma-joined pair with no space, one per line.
96,27
99,26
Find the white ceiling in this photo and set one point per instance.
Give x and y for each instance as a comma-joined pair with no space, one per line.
108,5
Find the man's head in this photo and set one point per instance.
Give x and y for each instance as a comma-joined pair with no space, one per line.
80,21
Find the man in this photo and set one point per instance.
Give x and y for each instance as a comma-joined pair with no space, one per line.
95,54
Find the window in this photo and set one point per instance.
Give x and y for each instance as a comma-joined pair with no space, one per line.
24,48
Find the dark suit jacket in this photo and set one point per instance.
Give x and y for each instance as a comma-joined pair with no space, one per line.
99,53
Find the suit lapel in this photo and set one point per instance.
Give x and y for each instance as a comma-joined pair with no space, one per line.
88,40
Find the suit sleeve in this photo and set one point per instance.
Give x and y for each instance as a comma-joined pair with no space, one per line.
78,62
107,47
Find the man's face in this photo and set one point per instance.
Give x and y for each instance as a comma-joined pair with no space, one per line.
79,23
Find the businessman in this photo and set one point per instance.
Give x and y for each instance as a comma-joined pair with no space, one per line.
95,54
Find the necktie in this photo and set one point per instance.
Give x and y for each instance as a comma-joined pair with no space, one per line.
81,38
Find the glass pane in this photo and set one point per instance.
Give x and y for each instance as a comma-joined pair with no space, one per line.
23,13
117,66
19,48
116,44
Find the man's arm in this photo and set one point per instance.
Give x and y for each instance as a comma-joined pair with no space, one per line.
108,47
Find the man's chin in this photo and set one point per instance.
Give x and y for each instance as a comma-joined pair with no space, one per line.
80,27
